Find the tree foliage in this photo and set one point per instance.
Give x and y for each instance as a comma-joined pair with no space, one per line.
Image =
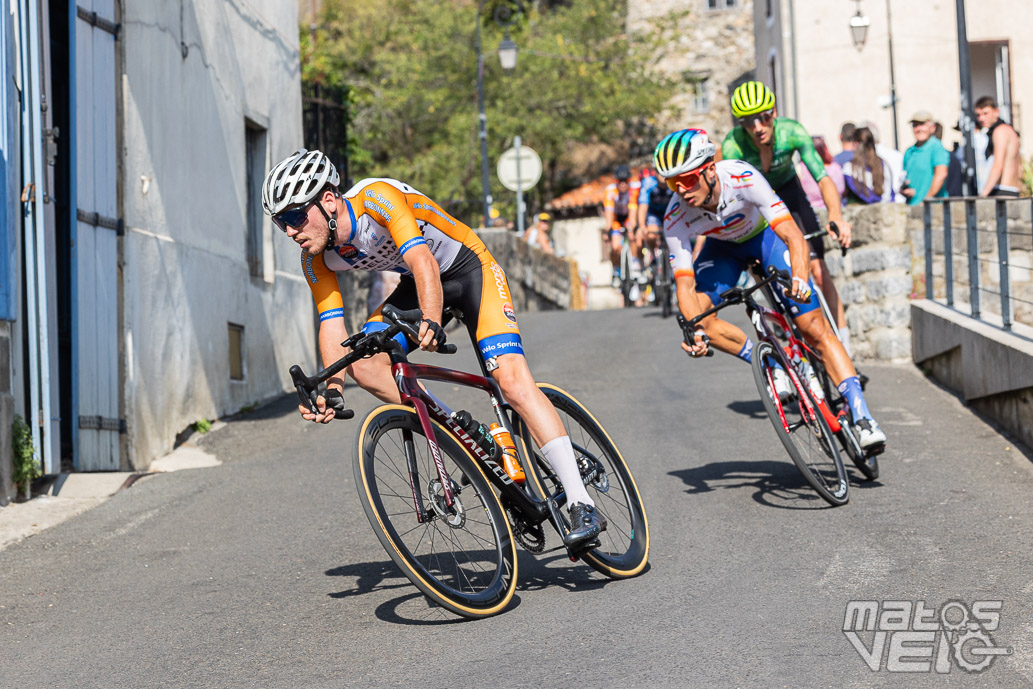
411,70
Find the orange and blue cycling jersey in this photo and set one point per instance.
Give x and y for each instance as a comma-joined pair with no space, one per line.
389,218
623,204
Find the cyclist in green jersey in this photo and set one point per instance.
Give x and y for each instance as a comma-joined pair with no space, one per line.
768,142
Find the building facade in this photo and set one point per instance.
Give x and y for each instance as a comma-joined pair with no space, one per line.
160,294
712,52
805,49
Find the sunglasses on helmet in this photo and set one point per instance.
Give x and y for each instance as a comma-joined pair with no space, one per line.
294,217
688,180
763,117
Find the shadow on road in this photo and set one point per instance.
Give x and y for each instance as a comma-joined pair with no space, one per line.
413,608
751,408
776,484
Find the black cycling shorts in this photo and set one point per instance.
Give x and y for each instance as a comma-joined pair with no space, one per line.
803,214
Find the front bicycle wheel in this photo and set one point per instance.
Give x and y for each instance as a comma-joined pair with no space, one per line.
624,546
462,556
625,275
802,429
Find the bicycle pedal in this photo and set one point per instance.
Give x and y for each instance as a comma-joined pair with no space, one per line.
875,450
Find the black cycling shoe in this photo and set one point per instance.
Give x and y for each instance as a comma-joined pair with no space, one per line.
585,525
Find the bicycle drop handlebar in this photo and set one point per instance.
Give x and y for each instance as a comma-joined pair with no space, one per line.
822,233
363,345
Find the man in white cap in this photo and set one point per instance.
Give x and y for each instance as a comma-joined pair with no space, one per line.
925,163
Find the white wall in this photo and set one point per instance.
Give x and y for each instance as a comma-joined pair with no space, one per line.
838,83
186,273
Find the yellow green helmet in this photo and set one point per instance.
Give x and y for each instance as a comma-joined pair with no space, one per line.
751,98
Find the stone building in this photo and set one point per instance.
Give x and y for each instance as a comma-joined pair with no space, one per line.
713,52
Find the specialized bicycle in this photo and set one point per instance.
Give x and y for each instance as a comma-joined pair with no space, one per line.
425,479
804,421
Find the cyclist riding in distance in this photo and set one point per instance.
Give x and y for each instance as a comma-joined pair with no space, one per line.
653,199
620,205
384,224
768,142
731,204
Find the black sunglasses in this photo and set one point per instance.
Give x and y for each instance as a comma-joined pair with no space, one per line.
295,217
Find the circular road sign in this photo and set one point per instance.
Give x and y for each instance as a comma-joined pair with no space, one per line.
530,169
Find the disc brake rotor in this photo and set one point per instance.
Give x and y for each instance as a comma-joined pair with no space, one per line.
454,516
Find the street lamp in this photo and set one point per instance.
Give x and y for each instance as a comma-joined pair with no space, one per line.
859,28
859,24
504,16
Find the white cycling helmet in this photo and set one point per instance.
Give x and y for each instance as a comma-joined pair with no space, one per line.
298,178
682,151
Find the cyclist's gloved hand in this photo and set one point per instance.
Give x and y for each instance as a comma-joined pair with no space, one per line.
801,291
335,402
432,335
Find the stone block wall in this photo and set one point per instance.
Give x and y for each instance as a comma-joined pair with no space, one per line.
539,281
874,281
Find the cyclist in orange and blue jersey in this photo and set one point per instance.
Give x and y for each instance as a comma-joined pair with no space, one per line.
384,224
620,208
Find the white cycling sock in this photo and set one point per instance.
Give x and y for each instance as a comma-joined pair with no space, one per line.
844,337
559,453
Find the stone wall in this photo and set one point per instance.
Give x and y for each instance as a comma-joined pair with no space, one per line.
874,281
539,281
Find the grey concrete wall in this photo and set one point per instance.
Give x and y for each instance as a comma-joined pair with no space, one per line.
193,73
991,369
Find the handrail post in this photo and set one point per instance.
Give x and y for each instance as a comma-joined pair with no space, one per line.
927,227
1002,260
948,252
972,234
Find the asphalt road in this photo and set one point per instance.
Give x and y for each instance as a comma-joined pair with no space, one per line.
264,572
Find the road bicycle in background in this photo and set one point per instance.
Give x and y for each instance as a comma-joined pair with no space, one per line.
438,490
661,276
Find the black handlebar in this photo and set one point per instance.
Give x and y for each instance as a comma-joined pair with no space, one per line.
363,345
821,233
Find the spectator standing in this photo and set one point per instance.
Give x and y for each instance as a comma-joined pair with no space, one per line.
892,157
1003,145
868,177
832,169
538,234
925,163
846,142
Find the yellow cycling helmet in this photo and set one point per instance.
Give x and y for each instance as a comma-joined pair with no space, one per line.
751,98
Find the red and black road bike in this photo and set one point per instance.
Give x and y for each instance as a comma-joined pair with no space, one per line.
440,500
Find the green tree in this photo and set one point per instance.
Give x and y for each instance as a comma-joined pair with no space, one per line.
411,69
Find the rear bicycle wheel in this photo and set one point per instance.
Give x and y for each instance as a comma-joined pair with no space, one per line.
624,546
462,557
803,431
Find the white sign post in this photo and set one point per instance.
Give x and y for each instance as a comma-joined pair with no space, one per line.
519,169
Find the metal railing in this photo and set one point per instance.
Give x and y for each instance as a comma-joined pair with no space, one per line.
985,252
